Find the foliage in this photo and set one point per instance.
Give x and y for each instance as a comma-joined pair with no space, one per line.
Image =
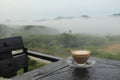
4,30
67,40
61,44
33,64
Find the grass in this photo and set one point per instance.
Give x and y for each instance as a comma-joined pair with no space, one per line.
108,56
113,48
33,64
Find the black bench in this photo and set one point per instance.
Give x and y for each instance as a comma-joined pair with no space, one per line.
10,63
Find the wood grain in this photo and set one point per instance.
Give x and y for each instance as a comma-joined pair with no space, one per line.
104,69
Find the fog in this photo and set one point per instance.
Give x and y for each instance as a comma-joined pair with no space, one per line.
89,25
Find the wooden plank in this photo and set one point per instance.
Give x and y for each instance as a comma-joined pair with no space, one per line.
61,71
40,71
21,60
5,55
1,43
11,43
14,42
8,67
9,64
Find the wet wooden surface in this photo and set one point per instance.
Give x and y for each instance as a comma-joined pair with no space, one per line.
104,69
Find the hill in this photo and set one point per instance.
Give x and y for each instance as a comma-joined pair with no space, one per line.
7,31
39,29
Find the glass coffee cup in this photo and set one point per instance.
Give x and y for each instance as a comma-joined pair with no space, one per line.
80,57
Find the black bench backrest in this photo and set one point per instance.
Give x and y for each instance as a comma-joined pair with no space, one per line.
12,43
9,63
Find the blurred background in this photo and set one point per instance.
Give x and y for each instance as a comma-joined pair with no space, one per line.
55,27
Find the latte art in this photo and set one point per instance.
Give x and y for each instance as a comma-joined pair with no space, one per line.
81,52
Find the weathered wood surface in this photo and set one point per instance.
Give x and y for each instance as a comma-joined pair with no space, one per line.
103,70
11,43
9,63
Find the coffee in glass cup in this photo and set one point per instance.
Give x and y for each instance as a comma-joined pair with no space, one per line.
80,57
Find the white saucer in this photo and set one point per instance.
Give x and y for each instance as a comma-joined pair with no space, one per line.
71,63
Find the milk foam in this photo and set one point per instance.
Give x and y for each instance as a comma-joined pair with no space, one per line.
81,52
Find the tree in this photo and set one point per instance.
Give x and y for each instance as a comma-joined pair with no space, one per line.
68,40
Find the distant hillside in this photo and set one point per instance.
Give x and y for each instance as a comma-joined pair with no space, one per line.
39,29
6,31
72,17
118,14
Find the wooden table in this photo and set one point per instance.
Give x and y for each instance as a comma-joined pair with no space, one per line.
104,69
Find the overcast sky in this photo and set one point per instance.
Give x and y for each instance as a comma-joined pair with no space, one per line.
39,9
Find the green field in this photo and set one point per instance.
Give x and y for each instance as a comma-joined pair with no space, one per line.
60,44
50,41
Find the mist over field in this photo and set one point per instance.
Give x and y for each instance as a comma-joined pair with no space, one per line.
83,24
38,35
55,27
